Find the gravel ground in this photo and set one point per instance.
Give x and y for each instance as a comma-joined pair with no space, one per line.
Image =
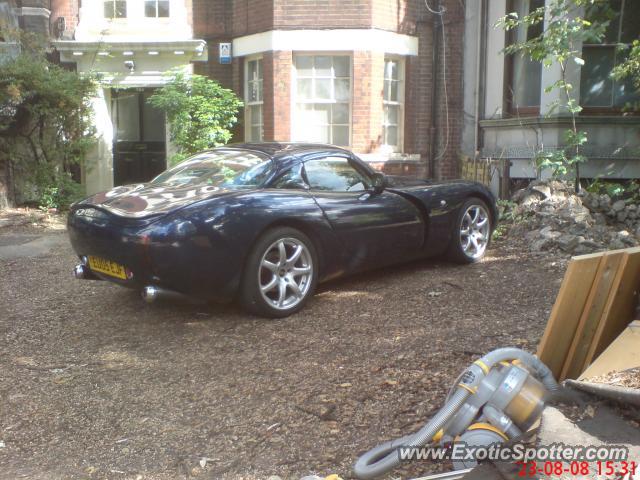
96,384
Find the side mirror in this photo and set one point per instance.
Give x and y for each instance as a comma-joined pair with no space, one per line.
379,182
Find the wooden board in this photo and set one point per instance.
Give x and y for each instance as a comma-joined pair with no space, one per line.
622,354
620,308
597,300
567,310
592,313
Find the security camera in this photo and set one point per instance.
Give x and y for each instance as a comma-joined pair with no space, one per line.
130,65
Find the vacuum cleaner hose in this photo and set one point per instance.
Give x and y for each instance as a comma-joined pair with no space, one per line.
384,457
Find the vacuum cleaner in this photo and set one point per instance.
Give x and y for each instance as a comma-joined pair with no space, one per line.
495,399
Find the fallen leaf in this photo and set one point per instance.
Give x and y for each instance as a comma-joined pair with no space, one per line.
346,385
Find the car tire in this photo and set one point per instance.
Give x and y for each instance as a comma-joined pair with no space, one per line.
471,235
280,274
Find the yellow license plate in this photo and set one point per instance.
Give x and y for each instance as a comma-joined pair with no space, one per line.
107,267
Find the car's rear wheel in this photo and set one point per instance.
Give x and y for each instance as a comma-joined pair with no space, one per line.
472,232
280,274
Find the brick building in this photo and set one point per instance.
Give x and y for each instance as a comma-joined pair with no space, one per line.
358,74
382,77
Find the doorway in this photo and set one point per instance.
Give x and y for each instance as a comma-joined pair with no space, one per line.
139,141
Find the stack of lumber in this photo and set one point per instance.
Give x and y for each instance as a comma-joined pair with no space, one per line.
596,303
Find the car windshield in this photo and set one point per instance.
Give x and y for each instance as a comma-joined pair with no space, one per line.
219,168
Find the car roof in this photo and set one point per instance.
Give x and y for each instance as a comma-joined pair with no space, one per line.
286,152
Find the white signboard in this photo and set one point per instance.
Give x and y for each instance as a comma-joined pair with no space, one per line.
224,53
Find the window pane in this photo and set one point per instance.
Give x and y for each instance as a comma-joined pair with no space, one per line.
152,121
253,91
121,9
391,115
163,8
341,66
256,114
391,136
150,8
256,134
323,89
343,89
393,91
340,135
322,114
304,66
391,70
108,9
128,117
596,87
260,83
334,174
340,113
323,66
316,133
526,82
630,21
624,92
252,70
304,88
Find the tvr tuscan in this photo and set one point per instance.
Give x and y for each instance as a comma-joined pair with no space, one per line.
266,222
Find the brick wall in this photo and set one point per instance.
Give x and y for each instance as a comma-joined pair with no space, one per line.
366,103
67,9
277,95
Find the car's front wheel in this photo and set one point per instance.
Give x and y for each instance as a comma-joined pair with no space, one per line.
472,232
280,274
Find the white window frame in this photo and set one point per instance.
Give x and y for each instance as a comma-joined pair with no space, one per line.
144,7
113,2
248,118
296,135
399,103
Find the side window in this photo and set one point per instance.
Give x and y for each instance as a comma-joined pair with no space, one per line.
334,174
292,178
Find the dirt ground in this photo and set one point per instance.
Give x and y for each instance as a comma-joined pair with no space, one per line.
95,383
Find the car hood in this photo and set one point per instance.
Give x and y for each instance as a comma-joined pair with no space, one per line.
144,200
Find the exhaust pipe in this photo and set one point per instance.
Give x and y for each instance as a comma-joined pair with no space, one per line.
81,272
151,293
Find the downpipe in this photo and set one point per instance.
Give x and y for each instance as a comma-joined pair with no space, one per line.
385,457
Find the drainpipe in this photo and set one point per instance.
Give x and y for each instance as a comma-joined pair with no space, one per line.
478,88
434,92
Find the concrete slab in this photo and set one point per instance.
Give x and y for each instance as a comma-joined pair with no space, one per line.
18,246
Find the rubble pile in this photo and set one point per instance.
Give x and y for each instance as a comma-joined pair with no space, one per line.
550,216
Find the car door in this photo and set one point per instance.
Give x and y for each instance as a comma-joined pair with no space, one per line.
375,227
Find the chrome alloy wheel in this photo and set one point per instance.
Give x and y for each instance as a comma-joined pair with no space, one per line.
285,273
474,231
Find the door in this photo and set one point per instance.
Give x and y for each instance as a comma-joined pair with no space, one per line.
374,227
139,146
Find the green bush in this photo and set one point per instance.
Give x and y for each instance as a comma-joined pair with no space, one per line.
45,126
60,193
200,113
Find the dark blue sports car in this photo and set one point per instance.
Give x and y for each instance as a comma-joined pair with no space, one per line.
265,223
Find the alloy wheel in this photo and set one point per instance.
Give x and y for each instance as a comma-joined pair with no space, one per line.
474,231
285,273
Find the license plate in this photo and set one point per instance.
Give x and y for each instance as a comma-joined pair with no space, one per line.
107,267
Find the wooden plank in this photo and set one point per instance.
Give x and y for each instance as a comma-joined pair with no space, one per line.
594,307
620,308
622,354
567,310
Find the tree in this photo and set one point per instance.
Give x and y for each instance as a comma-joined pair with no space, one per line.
566,28
45,126
200,113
